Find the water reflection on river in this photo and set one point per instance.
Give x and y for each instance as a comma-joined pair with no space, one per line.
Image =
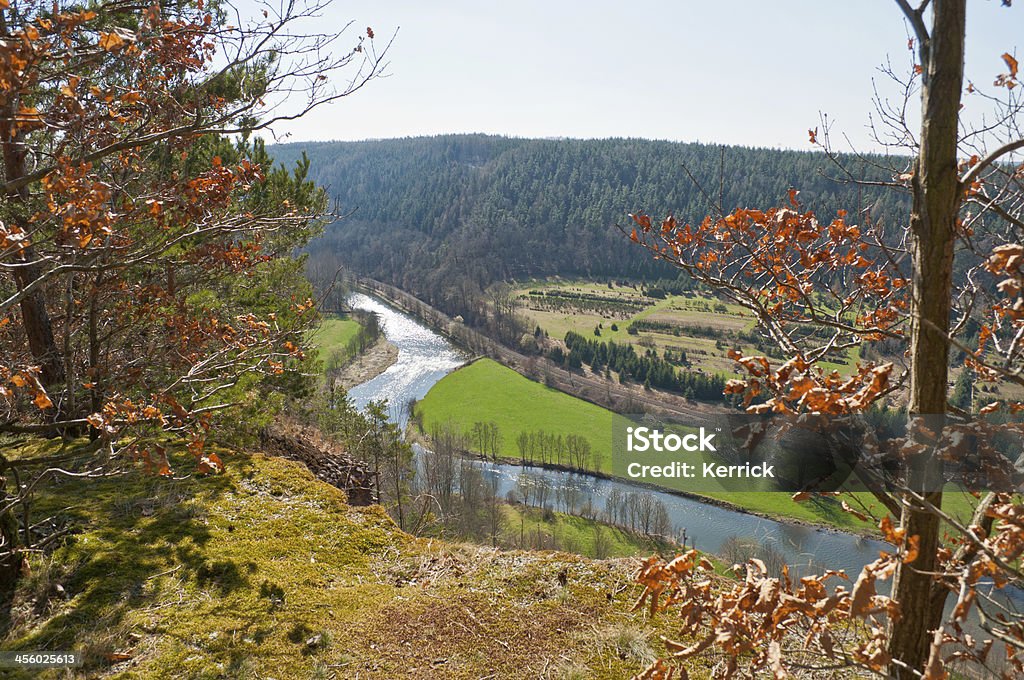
424,357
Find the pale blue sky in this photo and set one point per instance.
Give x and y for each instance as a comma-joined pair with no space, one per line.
740,72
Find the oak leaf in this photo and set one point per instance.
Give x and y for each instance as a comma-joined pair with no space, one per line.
110,41
1011,64
42,401
863,592
210,462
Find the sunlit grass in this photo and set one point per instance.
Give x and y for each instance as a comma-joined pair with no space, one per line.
334,333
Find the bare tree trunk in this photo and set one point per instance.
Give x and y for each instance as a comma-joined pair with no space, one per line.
96,393
937,195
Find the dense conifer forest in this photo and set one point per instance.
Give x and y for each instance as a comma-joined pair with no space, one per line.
446,216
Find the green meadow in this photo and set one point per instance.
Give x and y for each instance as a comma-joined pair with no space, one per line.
486,391
334,333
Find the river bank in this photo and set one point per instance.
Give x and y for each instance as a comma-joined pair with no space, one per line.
423,358
413,434
381,356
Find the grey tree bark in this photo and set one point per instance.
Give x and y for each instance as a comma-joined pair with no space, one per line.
937,197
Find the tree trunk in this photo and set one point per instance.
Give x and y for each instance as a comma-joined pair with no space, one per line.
937,196
38,328
34,315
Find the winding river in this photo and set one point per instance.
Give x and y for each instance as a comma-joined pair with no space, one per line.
424,357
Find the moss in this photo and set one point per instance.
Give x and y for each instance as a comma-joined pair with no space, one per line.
266,572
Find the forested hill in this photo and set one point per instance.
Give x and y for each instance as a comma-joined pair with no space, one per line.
433,213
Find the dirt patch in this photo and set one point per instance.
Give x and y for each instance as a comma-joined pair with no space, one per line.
467,612
368,365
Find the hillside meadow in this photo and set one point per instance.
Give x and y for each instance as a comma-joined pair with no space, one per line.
702,326
265,571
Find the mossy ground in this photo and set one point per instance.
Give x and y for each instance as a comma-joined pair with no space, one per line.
265,572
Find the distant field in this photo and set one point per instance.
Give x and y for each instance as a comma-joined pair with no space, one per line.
702,326
334,332
574,534
487,391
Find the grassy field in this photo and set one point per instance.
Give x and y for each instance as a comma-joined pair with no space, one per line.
264,571
334,333
577,534
697,321
486,391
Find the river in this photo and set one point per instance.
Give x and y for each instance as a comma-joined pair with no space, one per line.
424,357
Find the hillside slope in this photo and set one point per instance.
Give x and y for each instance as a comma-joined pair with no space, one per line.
429,214
266,572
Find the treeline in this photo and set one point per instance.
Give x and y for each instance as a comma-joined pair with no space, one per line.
535,448
637,511
648,369
444,217
678,329
369,332
467,502
545,448
339,357
682,283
